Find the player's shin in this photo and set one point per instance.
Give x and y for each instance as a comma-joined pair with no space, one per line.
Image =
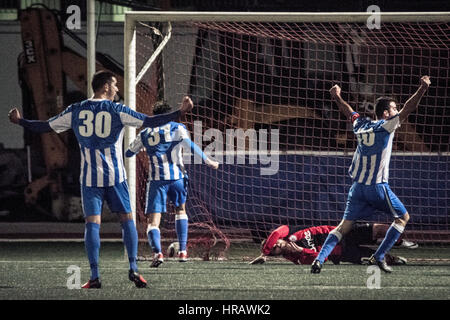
331,241
154,238
392,235
92,245
181,228
130,239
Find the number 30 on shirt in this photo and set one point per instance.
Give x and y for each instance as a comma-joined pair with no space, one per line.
99,123
366,138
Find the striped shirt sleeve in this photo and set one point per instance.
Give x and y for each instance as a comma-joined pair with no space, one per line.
62,122
136,145
132,118
391,124
355,116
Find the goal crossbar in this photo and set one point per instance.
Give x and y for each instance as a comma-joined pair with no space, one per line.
132,16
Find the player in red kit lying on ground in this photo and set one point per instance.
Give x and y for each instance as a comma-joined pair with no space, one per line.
303,246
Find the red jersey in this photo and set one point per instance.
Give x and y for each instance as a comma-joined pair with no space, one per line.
310,240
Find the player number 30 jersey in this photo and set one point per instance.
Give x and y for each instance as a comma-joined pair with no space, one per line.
99,128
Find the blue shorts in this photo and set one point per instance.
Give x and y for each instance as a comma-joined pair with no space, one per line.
159,191
117,197
364,200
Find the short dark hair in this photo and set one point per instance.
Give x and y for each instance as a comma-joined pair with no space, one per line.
382,104
161,107
101,78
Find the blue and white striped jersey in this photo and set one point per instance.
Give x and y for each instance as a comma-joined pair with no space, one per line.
164,148
99,128
370,164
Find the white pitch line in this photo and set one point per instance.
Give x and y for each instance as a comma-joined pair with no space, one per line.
56,240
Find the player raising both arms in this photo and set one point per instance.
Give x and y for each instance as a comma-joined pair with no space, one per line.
98,124
303,246
167,178
370,170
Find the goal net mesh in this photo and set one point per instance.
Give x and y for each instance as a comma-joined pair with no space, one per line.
268,84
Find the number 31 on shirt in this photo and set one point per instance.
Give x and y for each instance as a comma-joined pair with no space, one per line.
154,137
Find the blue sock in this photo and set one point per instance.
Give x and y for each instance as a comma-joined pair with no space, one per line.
391,237
130,239
92,245
154,239
330,242
181,228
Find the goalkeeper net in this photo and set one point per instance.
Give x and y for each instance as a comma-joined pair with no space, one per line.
263,110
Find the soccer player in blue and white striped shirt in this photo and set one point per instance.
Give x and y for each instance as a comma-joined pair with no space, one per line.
98,124
167,178
370,171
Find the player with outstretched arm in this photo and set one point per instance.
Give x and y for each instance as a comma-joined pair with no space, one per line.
167,178
370,171
98,124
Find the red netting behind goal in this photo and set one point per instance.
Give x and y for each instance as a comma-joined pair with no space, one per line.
271,80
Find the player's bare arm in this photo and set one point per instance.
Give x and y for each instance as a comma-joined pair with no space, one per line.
259,260
293,247
186,105
14,115
412,103
344,107
212,163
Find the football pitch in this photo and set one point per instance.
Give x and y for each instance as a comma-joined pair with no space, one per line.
43,270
